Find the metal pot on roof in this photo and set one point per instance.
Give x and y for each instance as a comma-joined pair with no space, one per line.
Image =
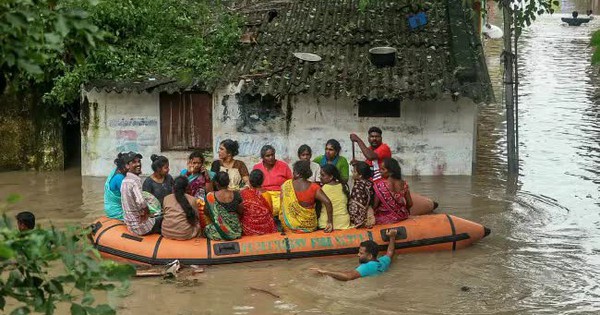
383,56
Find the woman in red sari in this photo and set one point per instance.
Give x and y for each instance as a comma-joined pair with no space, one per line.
257,218
392,196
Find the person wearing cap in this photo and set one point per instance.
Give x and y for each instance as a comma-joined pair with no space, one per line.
136,213
377,152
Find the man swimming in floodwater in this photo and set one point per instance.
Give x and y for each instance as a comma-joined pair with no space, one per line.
370,265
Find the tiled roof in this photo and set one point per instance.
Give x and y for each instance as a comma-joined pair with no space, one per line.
141,84
342,36
445,56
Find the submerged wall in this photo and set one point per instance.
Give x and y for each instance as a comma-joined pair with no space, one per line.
30,134
122,122
430,138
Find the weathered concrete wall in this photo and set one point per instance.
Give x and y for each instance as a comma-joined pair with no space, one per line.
30,133
430,138
113,123
15,133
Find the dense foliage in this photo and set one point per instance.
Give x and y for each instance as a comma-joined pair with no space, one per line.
39,34
32,281
117,39
34,32
181,39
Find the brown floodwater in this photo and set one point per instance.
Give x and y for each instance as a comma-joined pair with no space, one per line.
543,255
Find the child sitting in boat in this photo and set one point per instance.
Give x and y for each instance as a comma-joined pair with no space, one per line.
337,192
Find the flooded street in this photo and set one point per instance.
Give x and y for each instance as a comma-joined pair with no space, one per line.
542,257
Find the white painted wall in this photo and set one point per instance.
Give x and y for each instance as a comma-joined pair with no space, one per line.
430,138
123,122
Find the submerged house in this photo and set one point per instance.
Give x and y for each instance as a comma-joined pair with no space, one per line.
425,101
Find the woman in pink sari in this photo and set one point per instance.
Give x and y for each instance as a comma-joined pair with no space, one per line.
392,196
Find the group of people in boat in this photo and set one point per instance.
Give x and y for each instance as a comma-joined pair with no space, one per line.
228,201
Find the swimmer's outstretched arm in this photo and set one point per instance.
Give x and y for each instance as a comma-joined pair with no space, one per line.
339,275
392,245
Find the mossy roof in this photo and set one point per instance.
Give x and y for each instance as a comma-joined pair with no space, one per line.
426,65
443,57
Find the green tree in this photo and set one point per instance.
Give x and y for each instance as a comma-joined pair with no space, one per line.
63,44
30,279
181,39
38,33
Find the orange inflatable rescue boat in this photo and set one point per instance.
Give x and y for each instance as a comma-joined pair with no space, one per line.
434,232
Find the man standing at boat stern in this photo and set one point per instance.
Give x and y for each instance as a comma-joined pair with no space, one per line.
376,153
136,214
370,264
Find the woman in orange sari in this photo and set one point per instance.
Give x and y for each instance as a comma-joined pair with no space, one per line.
257,218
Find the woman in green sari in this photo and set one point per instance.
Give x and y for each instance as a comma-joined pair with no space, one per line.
223,208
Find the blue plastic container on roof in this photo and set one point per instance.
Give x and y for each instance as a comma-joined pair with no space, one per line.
417,20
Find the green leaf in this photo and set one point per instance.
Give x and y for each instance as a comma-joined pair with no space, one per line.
2,302
77,309
55,286
104,309
6,252
29,67
119,272
556,3
17,19
37,281
88,299
104,287
65,278
61,25
23,310
52,38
